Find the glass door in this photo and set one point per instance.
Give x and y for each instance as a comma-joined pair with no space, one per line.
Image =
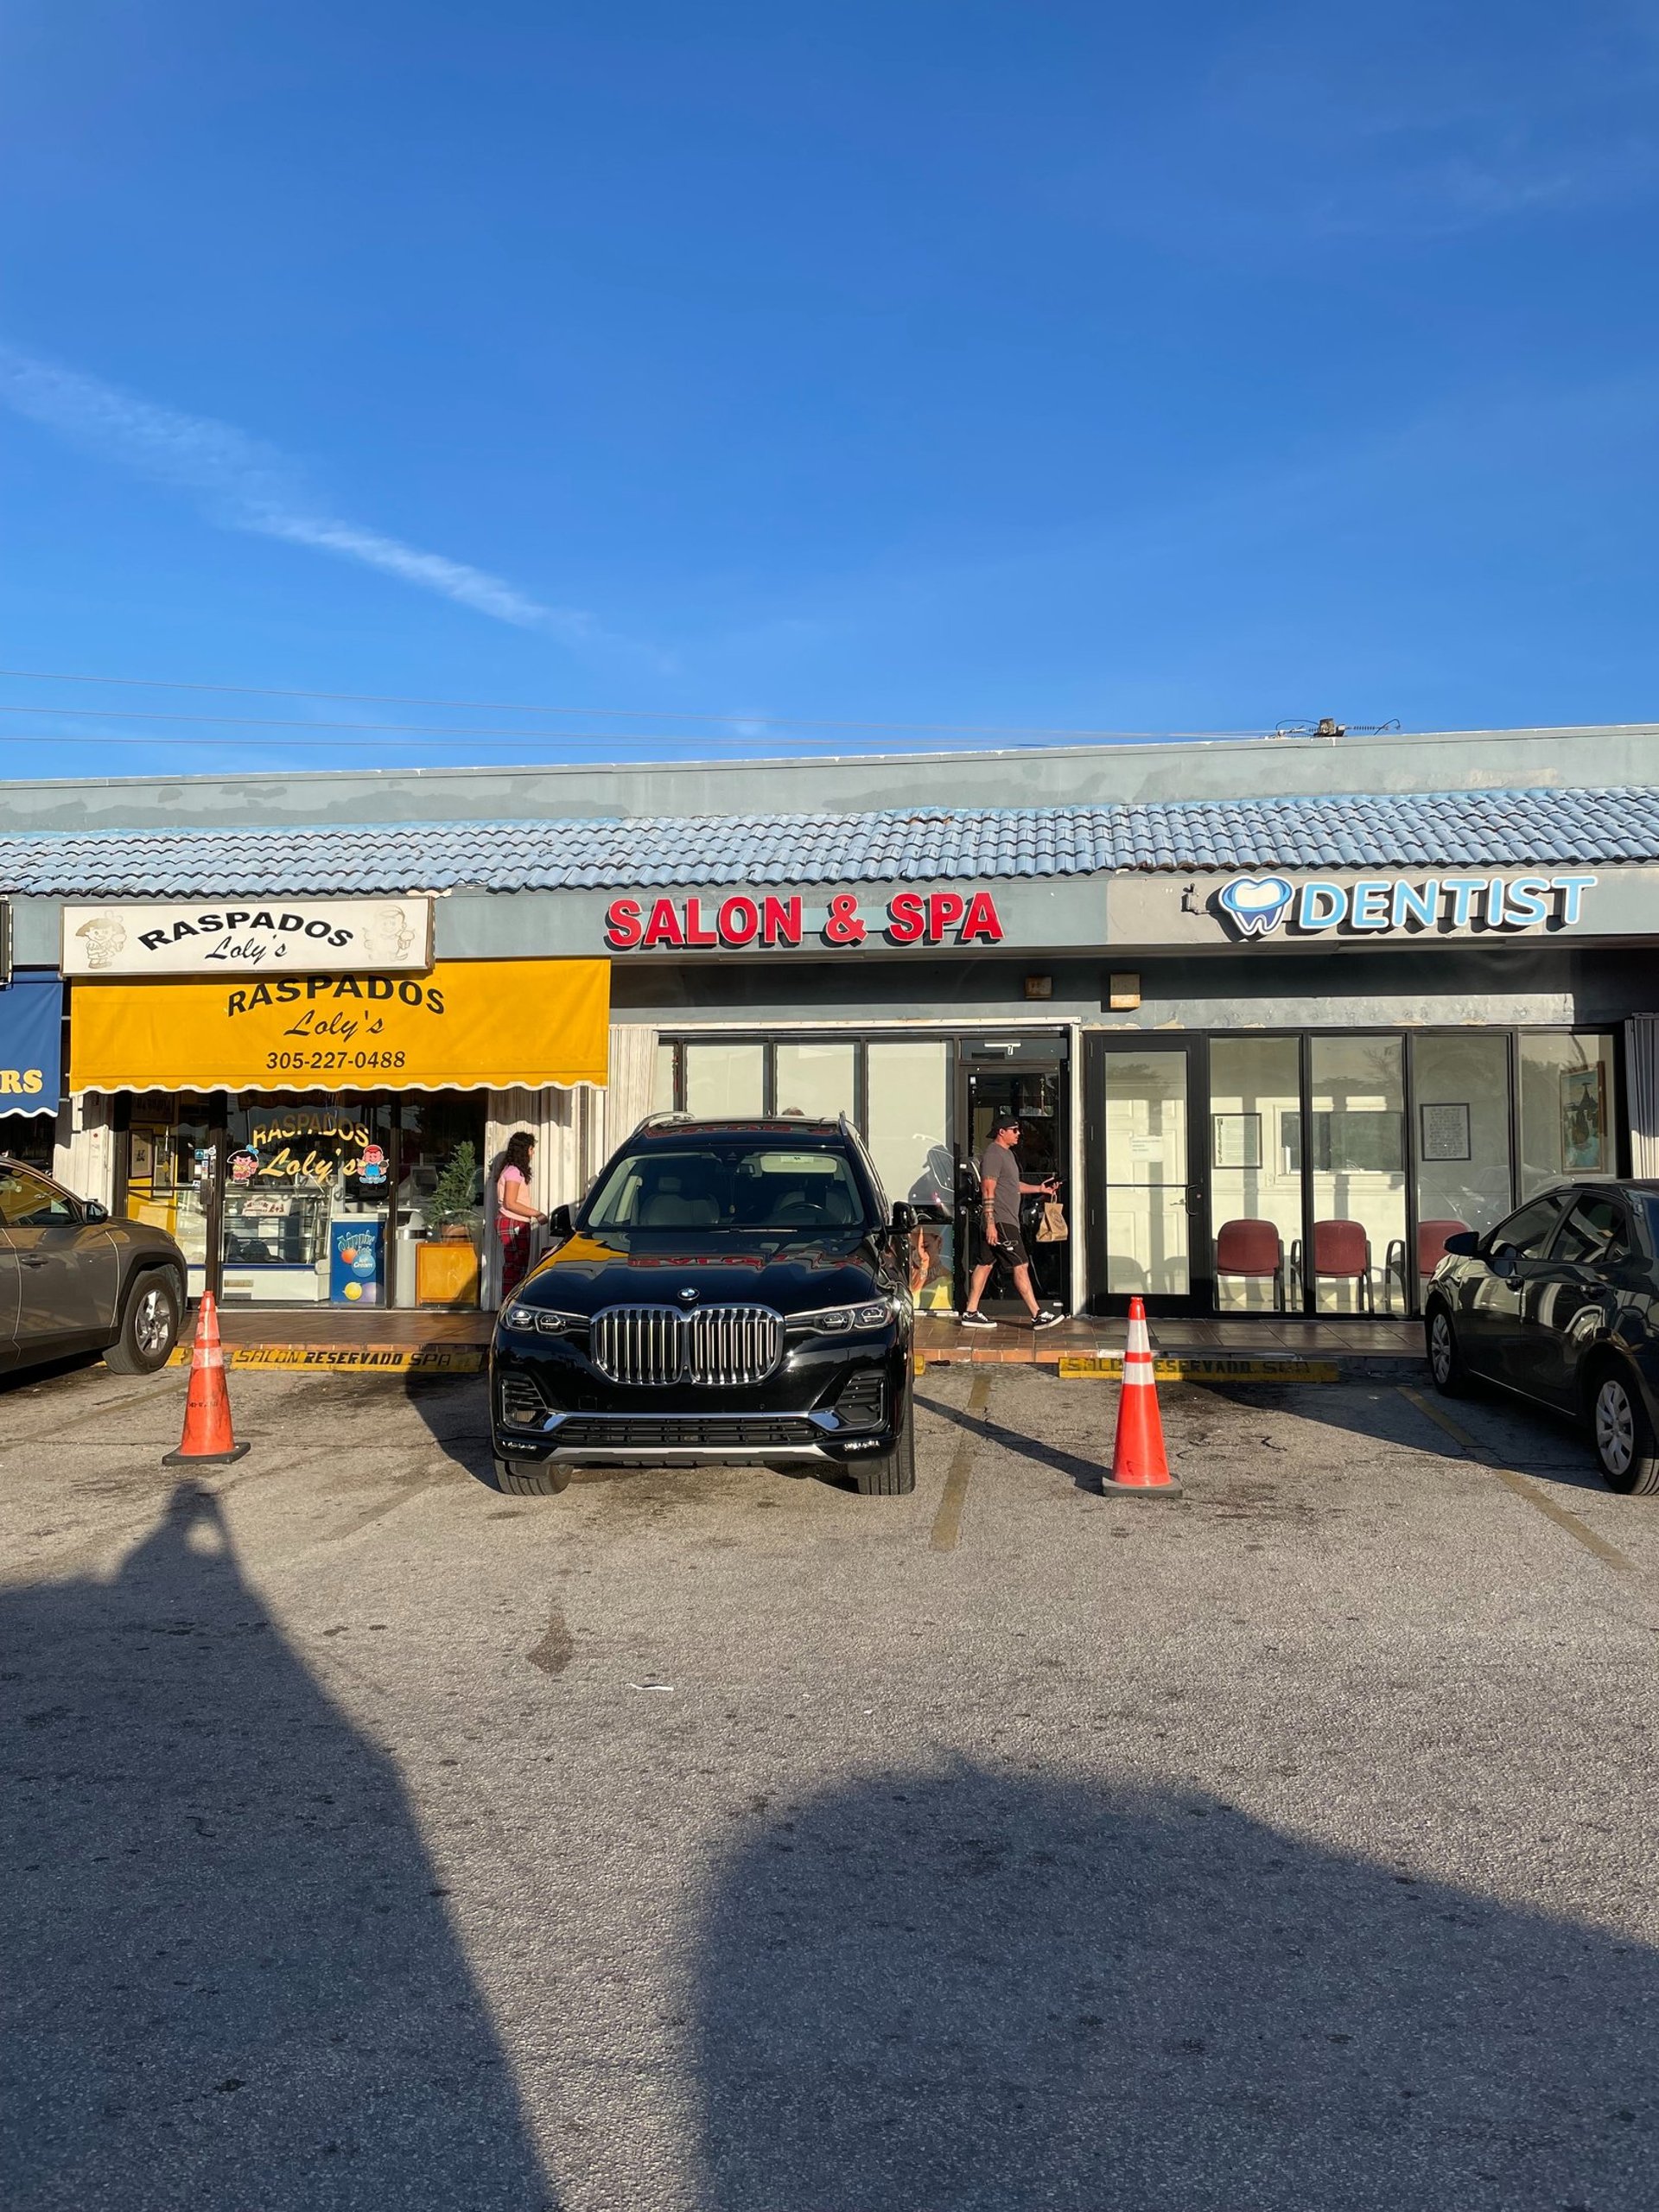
1029,1082
1147,1232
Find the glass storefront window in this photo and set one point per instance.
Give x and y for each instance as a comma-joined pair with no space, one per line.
1147,1219
908,1102
1355,1251
440,1227
662,1080
725,1080
1462,1086
1566,1107
165,1133
30,1139
308,1215
815,1079
306,1198
1256,1181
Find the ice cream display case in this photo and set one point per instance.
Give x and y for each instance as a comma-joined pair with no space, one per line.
275,1245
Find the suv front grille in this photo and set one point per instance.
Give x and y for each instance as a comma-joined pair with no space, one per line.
637,1343
719,1347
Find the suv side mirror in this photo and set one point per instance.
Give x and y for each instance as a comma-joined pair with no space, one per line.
94,1211
904,1218
559,1223
1463,1243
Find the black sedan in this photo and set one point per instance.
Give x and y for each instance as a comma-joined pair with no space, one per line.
73,1280
729,1291
1558,1303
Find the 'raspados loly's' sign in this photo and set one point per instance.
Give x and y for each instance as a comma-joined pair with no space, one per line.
781,922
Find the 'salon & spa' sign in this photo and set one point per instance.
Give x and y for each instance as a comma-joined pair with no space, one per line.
775,922
1257,905
306,936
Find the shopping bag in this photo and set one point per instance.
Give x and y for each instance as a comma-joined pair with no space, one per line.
1050,1224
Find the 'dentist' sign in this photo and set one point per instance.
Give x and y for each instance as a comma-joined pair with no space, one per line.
304,936
770,921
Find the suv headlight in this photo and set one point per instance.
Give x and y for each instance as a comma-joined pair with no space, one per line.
837,1320
544,1318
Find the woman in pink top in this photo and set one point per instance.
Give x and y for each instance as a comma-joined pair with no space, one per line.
515,1216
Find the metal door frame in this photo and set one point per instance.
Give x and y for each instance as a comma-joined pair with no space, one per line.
1195,1045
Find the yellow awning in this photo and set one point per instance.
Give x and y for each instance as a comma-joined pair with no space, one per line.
469,1025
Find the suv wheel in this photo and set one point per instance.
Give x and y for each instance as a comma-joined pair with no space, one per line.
1446,1365
150,1326
1623,1436
525,1478
890,1474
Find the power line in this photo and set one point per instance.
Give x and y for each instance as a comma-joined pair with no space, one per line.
776,723
408,733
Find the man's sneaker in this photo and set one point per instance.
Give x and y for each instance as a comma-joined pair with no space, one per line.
976,1320
1050,1318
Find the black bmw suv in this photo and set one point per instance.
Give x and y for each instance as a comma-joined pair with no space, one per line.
728,1291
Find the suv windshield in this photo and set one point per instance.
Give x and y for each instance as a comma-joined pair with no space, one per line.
758,1184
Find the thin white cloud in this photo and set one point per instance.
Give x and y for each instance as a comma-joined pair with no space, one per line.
242,484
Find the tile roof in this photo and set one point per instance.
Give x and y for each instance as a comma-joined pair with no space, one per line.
1499,828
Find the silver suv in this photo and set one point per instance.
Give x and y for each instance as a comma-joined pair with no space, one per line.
72,1278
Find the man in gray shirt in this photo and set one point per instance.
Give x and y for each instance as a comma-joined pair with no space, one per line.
999,1237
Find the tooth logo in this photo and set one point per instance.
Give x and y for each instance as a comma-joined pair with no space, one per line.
1257,904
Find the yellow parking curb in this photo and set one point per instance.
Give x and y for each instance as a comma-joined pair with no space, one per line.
1170,1367
351,1359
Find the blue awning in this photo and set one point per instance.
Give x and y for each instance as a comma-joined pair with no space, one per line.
31,1044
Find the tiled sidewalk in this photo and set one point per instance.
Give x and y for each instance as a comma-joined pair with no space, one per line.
940,1341
945,1342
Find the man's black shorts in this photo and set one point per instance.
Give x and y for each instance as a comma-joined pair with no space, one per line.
1008,1251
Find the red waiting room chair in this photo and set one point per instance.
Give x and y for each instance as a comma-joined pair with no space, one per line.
1254,1252
1341,1253
1432,1239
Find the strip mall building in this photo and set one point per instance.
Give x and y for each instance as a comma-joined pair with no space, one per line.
1281,1015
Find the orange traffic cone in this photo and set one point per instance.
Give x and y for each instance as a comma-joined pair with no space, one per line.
1138,1467
208,1439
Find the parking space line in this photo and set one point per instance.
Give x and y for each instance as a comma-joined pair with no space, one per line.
947,1522
1522,1485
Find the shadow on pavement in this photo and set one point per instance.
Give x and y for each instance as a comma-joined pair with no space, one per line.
455,1410
1086,1473
1545,1446
928,1994
231,1982
21,1379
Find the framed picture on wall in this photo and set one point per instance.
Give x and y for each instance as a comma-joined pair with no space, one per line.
141,1158
1445,1131
1584,1120
1236,1140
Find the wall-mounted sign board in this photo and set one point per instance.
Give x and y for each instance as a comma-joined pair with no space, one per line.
250,936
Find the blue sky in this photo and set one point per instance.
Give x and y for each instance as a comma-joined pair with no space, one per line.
1056,366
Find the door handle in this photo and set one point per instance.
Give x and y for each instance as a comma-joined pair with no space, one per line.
31,1263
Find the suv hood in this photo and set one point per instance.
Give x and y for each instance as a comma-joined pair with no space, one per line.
789,1269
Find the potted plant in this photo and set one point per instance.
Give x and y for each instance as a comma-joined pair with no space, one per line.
454,1198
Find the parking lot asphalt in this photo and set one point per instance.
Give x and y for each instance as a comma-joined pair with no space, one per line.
718,1839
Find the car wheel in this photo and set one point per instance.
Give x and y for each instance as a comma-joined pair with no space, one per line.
1445,1366
1625,1446
525,1478
892,1474
150,1326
